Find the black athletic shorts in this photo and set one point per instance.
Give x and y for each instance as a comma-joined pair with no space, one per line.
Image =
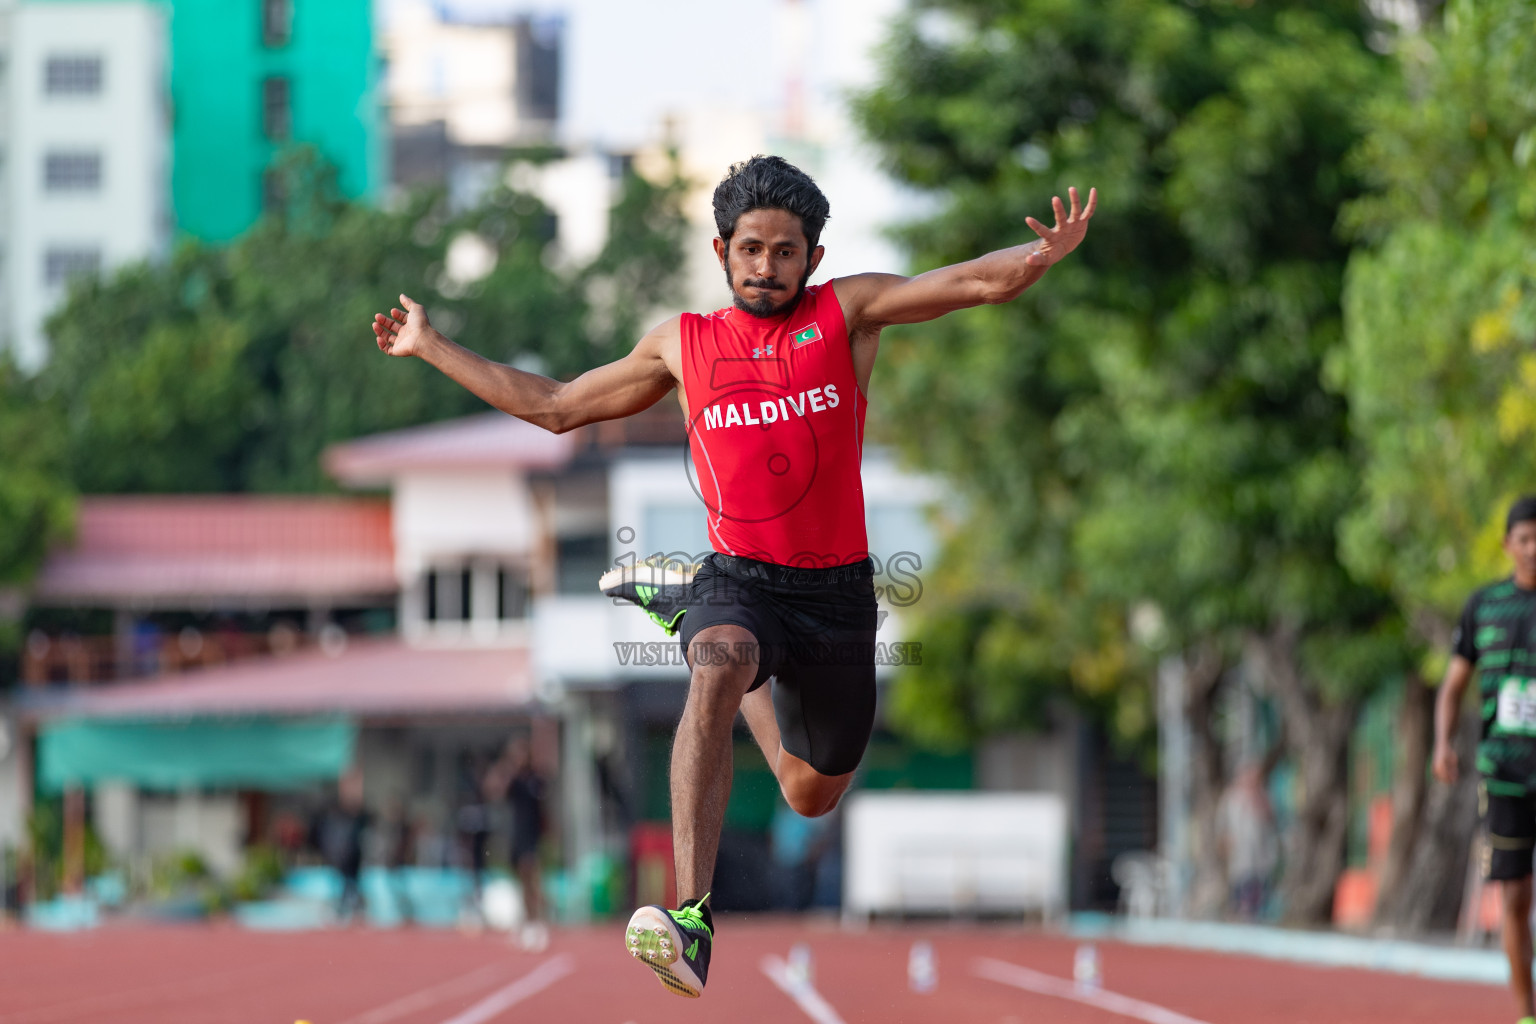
815,632
1511,835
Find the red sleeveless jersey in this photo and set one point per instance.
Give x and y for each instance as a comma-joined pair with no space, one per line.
777,432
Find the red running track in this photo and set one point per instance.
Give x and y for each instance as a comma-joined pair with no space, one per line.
134,974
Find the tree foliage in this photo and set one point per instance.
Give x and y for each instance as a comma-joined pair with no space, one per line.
1149,423
230,369
36,503
1440,365
1147,433
1440,375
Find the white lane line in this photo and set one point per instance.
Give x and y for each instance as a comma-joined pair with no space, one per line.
532,983
802,992
1061,988
429,996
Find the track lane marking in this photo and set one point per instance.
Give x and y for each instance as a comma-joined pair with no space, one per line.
1049,985
429,996
802,992
532,983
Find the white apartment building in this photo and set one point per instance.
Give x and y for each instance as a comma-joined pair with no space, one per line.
720,90
86,161
464,74
7,12
462,91
618,82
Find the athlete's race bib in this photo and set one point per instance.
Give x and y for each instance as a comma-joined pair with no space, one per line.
1517,706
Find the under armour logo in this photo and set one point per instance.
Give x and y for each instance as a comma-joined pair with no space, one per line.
765,350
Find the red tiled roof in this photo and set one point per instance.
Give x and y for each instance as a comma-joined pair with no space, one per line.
488,441
194,549
369,678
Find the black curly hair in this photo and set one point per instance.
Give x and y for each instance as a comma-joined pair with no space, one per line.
769,183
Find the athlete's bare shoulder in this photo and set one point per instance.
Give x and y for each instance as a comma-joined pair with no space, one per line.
855,293
665,342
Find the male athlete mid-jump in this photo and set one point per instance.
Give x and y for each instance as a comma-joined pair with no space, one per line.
774,388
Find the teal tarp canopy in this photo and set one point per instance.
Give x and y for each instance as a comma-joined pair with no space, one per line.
248,753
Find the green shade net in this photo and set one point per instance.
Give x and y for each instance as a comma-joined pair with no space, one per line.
248,753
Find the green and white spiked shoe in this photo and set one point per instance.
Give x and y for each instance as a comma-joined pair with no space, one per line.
675,944
658,585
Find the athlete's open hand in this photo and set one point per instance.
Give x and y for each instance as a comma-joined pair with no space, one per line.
1071,226
403,332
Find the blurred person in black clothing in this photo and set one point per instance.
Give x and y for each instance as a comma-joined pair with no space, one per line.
338,835
399,842
515,777
473,823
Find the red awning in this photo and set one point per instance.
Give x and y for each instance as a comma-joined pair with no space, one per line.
195,550
366,678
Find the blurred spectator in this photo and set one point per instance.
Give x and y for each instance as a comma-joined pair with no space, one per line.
801,847
338,835
473,824
11,866
617,816
827,862
146,648
1249,840
515,778
790,837
288,833
397,837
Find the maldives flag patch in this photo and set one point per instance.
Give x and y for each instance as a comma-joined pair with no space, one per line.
806,335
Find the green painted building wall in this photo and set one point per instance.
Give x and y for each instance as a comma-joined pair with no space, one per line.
220,146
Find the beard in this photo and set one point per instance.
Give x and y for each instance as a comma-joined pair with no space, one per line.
769,304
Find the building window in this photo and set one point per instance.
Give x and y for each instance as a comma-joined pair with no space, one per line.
458,593
276,109
72,76
448,593
538,67
274,194
579,561
72,172
511,594
676,531
61,264
276,22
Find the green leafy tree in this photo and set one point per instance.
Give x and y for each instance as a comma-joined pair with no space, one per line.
1147,434
231,369
1440,373
37,505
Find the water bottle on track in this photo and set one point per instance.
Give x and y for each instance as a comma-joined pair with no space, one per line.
1085,967
922,967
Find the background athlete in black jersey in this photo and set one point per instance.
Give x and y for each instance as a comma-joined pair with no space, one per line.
1497,635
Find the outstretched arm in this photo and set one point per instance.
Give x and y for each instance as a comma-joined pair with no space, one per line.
613,391
873,301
